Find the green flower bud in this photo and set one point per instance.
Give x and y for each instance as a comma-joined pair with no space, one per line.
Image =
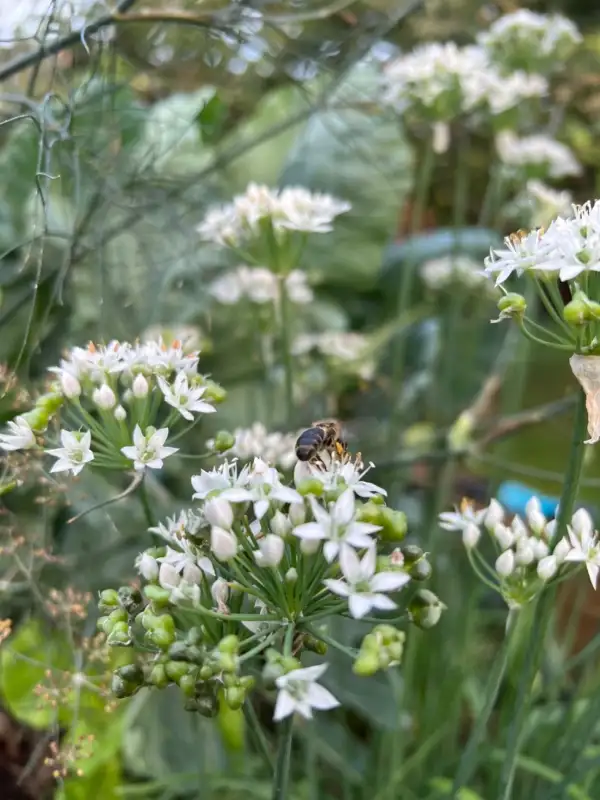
101,622
214,392
229,679
387,633
395,650
394,525
581,310
108,601
310,486
289,663
37,419
158,596
370,512
425,609
148,619
162,638
206,673
370,644
187,684
247,682
118,615
195,635
131,673
195,654
234,697
512,305
50,403
119,635
227,662
314,645
366,664
179,651
176,670
411,553
421,570
165,622
229,644
224,440
158,676
122,688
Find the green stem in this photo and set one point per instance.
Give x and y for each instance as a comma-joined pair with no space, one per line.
545,604
259,736
284,747
469,760
407,280
145,501
286,349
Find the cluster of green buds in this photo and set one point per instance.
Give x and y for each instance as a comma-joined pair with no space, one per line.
381,649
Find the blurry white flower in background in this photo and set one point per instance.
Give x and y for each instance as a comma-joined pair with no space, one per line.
347,350
542,203
27,18
540,154
275,448
260,285
447,271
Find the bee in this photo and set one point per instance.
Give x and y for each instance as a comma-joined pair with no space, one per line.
323,435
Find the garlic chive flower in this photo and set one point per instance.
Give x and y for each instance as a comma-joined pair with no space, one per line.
260,286
74,454
300,693
184,397
148,449
19,436
536,156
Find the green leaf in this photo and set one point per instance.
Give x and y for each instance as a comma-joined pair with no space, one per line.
211,119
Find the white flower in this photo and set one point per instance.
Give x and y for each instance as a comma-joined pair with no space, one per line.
264,487
185,398
19,436
544,203
525,553
458,519
220,593
362,586
218,511
120,413
522,253
300,210
223,543
260,285
535,519
147,566
552,158
471,535
337,526
300,693
222,480
338,474
280,524
447,271
585,548
140,386
582,524
168,576
104,397
494,514
561,549
273,447
75,452
505,563
184,563
540,548
270,552
547,567
70,385
148,450
504,536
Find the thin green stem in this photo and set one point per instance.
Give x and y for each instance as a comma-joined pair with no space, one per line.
254,725
544,607
146,505
423,184
286,350
284,747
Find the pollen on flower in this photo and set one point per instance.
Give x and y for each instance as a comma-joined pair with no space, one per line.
63,758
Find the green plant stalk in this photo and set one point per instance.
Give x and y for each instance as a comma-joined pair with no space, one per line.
545,604
286,350
146,506
284,748
423,185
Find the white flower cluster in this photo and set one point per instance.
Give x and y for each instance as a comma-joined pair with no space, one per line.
346,350
441,81
119,393
531,41
284,210
257,442
568,248
539,155
527,557
445,272
260,285
22,20
542,203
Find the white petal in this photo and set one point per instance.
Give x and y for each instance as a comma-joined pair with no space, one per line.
284,706
321,698
138,438
344,507
310,530
337,587
381,602
593,570
359,605
368,563
389,581
260,508
350,565
330,550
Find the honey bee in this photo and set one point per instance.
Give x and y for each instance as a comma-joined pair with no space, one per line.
323,435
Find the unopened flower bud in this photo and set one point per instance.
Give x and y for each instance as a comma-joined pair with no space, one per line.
535,518
370,512
297,514
223,543
140,386
147,566
512,306
223,441
525,553
505,563
366,664
168,576
120,414
104,397
108,600
187,684
582,524
519,529
471,535
70,385
393,524
229,644
271,549
119,635
220,591
122,688
219,512
562,548
291,576
310,486
549,530
411,553
176,670
547,567
581,310
234,697
280,523
191,574
158,596
309,546
212,391
425,609
504,536
421,570
158,676
494,515
540,548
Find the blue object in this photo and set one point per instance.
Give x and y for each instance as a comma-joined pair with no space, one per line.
514,497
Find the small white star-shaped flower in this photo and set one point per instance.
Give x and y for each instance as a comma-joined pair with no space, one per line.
185,398
148,450
19,437
299,692
75,452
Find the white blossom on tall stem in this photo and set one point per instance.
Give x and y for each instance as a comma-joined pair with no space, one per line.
300,693
185,398
149,449
75,452
363,587
19,436
336,526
